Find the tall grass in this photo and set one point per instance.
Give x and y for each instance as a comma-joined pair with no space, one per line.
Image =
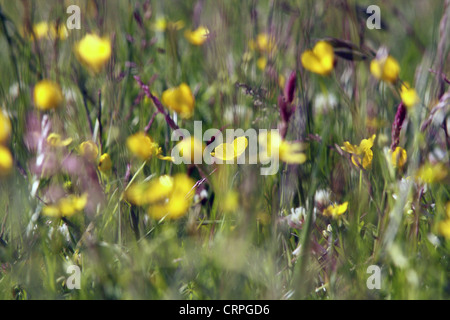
237,240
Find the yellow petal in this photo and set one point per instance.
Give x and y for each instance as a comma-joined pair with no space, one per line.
224,151
349,148
444,228
399,157
386,69
89,150
240,144
367,160
409,96
5,128
290,153
105,163
198,36
6,161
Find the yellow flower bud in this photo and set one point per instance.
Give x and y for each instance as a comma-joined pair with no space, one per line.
47,95
105,163
89,150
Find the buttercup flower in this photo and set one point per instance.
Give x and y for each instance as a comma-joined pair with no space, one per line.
105,163
398,157
161,24
5,128
166,196
228,151
432,173
335,210
142,146
94,52
444,226
44,29
180,100
261,63
289,152
263,43
6,161
362,154
66,207
47,95
320,59
54,140
409,96
89,150
198,36
385,68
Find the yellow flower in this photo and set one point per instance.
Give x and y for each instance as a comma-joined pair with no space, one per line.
447,211
444,228
94,52
62,33
89,150
228,151
431,173
320,59
261,63
5,128
142,146
398,157
191,148
54,140
166,196
281,81
47,95
386,68
43,29
177,203
335,210
362,154
289,152
180,100
6,161
409,96
145,193
66,207
263,43
231,201
161,24
105,163
198,36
